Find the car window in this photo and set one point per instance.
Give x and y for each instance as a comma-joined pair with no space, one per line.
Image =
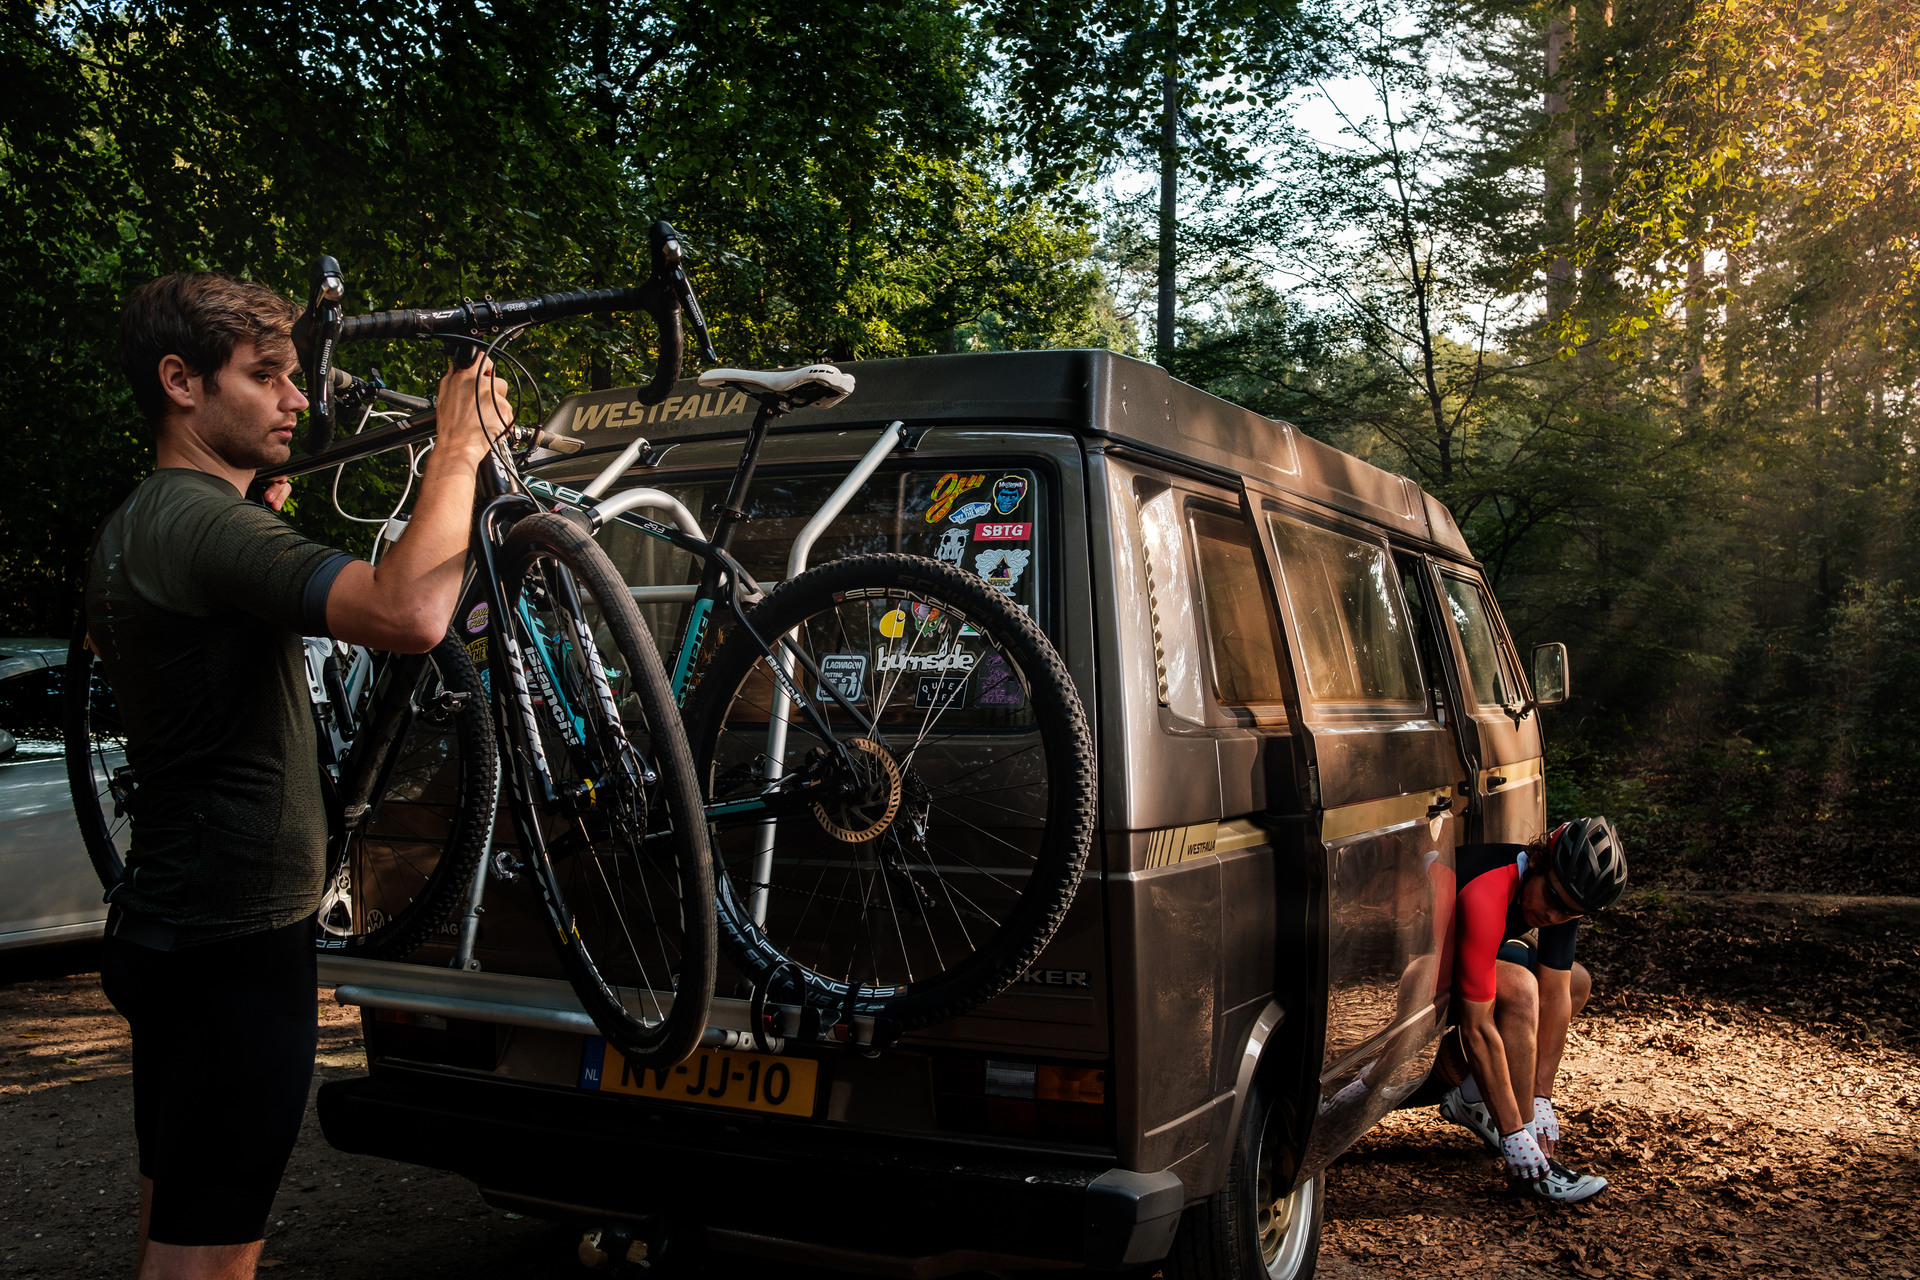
1242,631
1356,639
1493,680
30,710
988,520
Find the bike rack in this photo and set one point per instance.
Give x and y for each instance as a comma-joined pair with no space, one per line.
890,437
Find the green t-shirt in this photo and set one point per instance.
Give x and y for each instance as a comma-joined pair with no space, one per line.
196,603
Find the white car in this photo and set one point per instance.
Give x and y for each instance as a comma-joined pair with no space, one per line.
48,890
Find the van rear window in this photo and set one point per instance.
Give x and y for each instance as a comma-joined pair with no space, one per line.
988,520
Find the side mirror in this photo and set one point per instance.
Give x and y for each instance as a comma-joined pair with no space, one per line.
1549,674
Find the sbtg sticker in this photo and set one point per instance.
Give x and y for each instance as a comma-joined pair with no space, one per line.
1002,532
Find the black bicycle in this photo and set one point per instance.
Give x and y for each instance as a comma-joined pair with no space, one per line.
601,788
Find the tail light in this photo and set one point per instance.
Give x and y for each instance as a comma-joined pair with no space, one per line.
1021,1098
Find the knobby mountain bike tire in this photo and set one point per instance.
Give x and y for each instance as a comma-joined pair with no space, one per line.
626,872
97,771
404,873
929,882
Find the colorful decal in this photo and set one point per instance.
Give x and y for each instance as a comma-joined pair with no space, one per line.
477,619
941,692
1008,493
1002,566
944,659
847,672
1002,532
952,547
894,624
477,649
946,490
999,685
925,618
972,511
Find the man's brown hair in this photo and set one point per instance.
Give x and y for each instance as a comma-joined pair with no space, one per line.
200,316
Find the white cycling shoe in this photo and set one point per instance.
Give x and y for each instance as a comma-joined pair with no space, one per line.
1561,1185
1474,1116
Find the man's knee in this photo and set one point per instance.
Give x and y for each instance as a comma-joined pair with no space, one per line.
1580,986
1517,993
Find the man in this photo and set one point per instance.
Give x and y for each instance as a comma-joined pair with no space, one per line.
1516,988
196,602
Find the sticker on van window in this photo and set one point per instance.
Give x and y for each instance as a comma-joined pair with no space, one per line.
893,624
947,490
1002,566
477,619
972,511
926,617
952,547
947,659
1002,532
946,693
1008,492
847,672
999,687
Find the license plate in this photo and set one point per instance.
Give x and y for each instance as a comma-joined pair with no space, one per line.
710,1078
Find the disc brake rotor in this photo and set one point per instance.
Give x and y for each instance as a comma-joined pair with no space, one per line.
870,810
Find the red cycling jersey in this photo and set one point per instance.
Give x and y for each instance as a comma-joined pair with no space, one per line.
1487,913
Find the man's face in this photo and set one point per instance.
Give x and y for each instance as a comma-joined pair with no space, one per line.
248,420
1539,907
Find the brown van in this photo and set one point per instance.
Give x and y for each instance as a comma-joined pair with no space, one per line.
1303,698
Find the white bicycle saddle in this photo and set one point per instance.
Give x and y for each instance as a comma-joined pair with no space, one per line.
817,386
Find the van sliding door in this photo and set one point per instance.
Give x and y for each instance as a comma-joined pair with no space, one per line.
1386,770
1509,784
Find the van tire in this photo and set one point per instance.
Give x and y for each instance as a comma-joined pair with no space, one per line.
1221,1238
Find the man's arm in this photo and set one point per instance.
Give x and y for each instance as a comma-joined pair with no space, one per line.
404,603
1487,1054
1556,1011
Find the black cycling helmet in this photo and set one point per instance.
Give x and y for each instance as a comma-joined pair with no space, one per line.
1590,862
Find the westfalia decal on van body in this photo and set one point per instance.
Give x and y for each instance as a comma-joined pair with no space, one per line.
717,404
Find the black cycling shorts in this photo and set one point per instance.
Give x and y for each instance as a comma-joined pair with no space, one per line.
223,1041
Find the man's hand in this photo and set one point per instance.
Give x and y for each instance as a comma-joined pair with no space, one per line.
473,409
1525,1160
1546,1125
278,490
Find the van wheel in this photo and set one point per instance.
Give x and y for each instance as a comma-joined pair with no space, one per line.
1252,1227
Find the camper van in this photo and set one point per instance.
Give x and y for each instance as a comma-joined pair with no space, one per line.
1303,699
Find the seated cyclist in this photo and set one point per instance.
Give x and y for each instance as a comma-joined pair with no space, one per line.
1516,987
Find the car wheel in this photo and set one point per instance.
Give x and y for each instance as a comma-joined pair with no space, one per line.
1259,1224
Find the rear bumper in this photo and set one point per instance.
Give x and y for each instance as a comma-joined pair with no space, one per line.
904,1205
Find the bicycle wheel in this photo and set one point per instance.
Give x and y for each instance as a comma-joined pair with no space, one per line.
929,875
98,774
627,872
403,873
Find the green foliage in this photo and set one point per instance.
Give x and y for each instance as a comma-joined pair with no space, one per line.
828,165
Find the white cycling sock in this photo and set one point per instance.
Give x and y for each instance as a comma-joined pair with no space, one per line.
1470,1090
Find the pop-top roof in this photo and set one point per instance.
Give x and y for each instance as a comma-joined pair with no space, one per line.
1094,393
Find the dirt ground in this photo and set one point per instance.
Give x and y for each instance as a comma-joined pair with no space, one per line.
1748,1078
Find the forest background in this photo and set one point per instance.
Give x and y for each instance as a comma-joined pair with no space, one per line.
1629,286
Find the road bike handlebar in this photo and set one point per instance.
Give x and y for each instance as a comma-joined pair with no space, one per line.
324,327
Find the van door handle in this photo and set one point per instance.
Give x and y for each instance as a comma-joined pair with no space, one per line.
1440,805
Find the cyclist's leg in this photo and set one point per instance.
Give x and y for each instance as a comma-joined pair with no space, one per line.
1516,1011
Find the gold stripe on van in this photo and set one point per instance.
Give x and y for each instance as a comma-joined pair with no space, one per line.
1176,844
1511,774
1240,833
1373,815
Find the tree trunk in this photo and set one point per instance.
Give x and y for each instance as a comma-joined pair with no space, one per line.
1164,332
1694,381
1561,211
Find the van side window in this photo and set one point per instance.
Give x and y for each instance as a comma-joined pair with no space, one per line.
1243,632
1356,637
1494,683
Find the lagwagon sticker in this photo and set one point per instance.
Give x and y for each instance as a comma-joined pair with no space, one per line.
893,624
1008,492
947,490
1002,532
847,672
999,686
477,619
952,547
972,511
942,692
1002,566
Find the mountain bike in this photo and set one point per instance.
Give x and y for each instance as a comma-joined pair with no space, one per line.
896,763
604,802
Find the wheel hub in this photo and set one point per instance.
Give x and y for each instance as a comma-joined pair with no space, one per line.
874,798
